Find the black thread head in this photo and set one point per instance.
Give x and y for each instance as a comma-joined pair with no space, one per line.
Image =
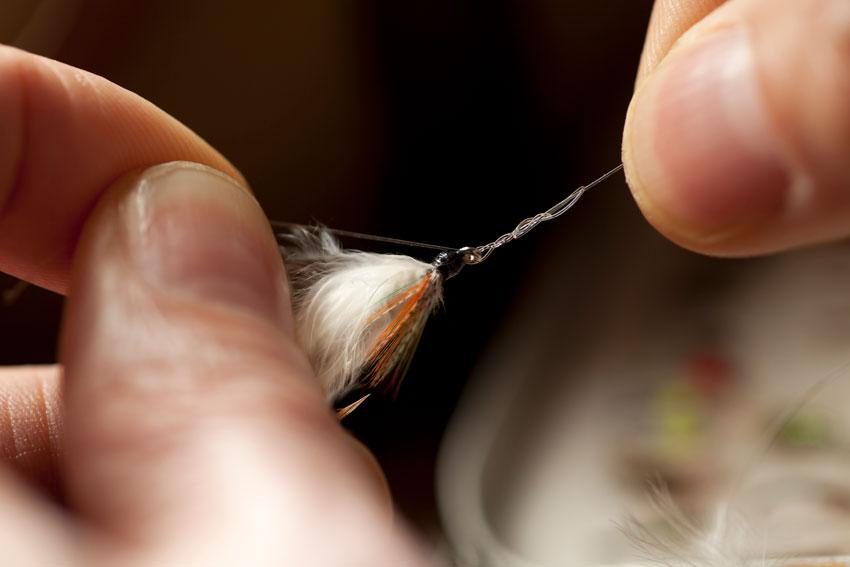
449,263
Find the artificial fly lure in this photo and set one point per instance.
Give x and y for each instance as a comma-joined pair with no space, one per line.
360,315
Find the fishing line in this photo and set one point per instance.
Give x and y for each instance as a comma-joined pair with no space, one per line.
289,226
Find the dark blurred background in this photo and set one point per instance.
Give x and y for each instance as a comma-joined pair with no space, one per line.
440,121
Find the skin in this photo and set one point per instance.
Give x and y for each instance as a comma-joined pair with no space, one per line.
188,428
737,141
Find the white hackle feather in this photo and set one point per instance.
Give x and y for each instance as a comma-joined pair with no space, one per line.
358,315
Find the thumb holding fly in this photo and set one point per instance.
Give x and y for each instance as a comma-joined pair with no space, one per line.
738,141
195,426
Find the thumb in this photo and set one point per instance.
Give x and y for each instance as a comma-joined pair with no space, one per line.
193,422
738,142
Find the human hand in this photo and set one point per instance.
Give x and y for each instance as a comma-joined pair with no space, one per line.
190,429
737,140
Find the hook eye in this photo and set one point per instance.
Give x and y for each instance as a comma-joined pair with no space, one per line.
472,255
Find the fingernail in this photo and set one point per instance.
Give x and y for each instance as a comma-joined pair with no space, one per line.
195,233
700,150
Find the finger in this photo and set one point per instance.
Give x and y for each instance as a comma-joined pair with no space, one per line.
31,423
738,142
32,532
192,418
31,426
66,135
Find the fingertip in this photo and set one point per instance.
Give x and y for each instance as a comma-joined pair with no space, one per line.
197,233
701,151
732,144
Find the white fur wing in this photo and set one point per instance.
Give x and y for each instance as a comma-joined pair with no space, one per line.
344,301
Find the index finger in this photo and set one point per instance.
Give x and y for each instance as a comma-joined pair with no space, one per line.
66,135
